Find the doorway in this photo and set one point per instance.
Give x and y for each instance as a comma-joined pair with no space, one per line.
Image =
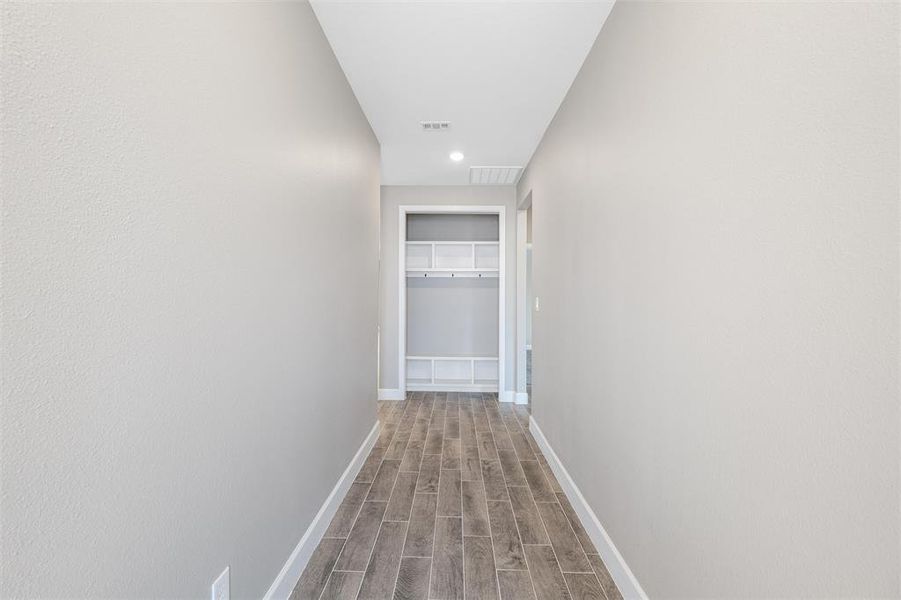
451,298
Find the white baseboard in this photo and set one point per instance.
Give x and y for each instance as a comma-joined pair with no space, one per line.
506,396
290,574
620,572
391,394
522,398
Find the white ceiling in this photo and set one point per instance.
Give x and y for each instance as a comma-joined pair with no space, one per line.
496,70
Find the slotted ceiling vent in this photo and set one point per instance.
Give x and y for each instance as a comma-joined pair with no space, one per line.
494,175
435,125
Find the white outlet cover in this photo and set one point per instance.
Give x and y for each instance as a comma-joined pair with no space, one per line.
220,590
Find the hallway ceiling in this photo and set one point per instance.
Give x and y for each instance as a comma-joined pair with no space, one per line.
497,71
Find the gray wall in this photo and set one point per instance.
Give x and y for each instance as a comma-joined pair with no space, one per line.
189,255
447,317
452,228
392,198
716,214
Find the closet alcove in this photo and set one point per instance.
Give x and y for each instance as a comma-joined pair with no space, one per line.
452,309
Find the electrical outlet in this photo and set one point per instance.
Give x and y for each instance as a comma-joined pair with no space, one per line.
220,586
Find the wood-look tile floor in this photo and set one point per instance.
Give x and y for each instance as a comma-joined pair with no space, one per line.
455,501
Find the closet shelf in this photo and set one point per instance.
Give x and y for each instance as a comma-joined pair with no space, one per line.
428,243
450,357
462,257
477,373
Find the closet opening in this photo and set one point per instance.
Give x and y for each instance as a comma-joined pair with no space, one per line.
451,298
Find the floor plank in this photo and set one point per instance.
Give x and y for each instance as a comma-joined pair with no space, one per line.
511,468
603,575
342,585
347,512
567,548
487,449
420,430
434,442
421,533
501,437
371,466
318,569
541,488
412,456
508,552
447,568
449,494
450,456
452,428
495,485
521,445
531,527
573,518
470,465
584,586
478,567
546,575
429,473
396,448
515,585
475,509
381,573
401,497
549,473
413,579
384,481
355,556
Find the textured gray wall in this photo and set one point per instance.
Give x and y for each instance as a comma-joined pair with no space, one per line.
189,254
716,228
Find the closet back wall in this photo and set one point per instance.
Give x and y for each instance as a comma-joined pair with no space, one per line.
392,198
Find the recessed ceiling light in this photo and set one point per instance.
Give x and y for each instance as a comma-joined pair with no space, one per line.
456,156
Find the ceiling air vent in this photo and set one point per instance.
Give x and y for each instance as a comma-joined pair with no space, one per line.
494,175
435,125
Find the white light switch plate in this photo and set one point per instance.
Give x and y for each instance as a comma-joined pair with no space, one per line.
537,305
220,586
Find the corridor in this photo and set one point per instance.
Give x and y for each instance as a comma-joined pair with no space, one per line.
455,500
271,274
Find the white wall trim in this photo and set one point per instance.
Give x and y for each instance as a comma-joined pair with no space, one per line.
391,394
506,396
522,398
622,575
290,574
522,301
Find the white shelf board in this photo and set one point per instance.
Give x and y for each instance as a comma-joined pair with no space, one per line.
451,357
425,243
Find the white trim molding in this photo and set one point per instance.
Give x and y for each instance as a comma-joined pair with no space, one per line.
391,394
522,397
290,574
506,396
620,572
522,301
